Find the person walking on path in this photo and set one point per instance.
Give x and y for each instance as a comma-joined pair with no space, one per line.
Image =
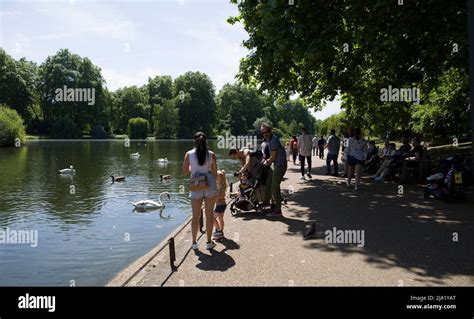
321,144
355,155
276,157
315,145
294,148
200,163
333,145
305,145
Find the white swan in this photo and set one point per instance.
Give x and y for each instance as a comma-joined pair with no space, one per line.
135,155
149,204
163,160
67,171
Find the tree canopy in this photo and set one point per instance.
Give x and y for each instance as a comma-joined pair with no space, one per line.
171,107
354,48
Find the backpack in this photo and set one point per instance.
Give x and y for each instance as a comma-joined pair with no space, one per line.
295,145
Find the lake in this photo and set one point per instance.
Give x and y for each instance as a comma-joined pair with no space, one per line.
87,229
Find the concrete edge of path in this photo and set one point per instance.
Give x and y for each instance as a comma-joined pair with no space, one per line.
138,265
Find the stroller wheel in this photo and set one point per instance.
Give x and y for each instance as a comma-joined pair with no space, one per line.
233,211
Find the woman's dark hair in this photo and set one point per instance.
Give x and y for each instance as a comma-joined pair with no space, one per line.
357,133
294,137
200,144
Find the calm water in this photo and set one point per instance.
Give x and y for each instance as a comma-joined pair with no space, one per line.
91,235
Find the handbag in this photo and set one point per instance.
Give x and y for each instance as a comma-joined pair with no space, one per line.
200,182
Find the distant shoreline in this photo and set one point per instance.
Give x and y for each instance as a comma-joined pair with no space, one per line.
87,139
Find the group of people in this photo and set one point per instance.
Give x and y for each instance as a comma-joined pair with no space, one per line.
208,185
201,165
304,146
357,153
391,159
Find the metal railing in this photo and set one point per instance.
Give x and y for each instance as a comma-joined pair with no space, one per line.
171,249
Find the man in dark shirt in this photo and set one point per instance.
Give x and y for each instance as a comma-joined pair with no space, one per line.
414,160
417,151
404,150
277,157
321,144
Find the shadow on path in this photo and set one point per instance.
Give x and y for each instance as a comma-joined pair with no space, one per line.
405,231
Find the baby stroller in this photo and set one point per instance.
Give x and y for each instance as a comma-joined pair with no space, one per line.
449,184
249,199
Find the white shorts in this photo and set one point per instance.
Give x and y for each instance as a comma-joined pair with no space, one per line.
207,193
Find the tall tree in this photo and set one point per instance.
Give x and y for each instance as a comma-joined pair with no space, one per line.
197,108
129,102
18,86
237,108
353,48
166,119
65,69
158,88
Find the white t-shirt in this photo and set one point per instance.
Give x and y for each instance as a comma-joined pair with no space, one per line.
315,141
356,148
305,145
195,167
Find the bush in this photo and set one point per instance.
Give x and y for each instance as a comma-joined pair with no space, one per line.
98,132
11,127
137,128
65,128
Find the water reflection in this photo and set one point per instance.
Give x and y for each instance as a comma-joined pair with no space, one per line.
81,220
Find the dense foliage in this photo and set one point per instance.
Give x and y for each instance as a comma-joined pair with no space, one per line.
12,130
355,48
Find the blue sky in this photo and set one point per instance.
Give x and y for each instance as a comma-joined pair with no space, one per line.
131,40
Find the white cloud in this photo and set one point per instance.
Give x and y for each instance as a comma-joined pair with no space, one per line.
331,108
20,46
224,54
92,18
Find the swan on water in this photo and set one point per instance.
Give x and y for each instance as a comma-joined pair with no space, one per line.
136,155
163,160
150,204
68,171
165,177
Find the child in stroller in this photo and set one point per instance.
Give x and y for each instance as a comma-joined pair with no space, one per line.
246,183
449,184
251,187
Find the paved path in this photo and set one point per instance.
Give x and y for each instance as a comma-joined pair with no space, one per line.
408,240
